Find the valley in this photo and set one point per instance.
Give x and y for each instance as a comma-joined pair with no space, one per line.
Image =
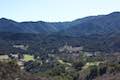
82,49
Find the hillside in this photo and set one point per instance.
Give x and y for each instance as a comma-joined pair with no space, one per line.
11,71
102,24
89,32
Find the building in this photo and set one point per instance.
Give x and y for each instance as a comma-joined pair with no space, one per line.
89,54
71,49
20,46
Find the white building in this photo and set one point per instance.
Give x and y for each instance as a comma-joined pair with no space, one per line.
70,49
21,46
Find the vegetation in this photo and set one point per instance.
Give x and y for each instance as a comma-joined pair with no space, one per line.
62,69
98,59
11,71
28,57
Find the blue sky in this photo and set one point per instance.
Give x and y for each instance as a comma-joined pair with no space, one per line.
55,10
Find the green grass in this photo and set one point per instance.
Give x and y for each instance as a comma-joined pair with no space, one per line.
62,62
28,57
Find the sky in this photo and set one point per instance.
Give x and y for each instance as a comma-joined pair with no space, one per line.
55,10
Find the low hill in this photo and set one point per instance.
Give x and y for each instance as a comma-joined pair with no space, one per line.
11,71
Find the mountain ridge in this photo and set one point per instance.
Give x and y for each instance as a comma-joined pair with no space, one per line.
42,27
89,32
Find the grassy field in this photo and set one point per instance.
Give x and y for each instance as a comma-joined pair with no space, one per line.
28,57
62,62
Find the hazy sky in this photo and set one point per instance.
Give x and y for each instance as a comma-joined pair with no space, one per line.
55,10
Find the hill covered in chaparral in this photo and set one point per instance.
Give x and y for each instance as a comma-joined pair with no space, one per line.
102,30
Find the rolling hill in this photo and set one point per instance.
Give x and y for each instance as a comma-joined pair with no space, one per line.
89,32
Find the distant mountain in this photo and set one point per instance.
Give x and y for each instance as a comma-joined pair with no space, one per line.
39,27
103,24
89,32
100,24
